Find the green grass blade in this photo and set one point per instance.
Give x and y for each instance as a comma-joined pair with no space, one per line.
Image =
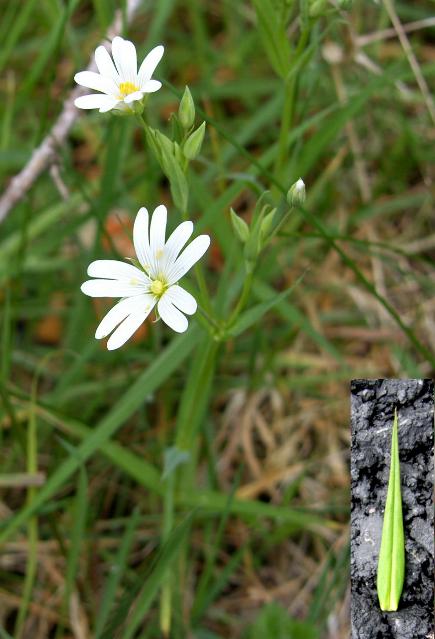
152,378
148,587
391,564
21,19
78,529
116,574
273,35
206,501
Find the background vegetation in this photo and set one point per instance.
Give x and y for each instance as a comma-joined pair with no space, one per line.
258,541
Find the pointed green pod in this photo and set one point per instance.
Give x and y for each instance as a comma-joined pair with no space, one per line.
391,564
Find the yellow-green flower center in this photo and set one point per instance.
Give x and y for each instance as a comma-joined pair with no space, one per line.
157,287
125,88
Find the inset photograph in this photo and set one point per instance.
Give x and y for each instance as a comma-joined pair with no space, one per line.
392,510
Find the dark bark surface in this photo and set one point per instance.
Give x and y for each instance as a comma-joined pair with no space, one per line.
372,413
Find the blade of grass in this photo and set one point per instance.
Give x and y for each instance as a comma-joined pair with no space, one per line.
203,589
152,584
114,579
152,378
32,525
207,501
79,513
18,25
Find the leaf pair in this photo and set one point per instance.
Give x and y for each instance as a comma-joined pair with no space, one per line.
391,563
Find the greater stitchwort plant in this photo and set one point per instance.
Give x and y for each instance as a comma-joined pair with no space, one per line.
202,237
153,283
149,285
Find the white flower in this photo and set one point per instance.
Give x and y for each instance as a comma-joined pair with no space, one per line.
163,265
120,83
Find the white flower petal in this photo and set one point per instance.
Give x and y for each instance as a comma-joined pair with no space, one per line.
96,82
120,311
131,97
111,288
182,299
109,106
176,242
126,329
157,231
96,101
171,315
116,270
141,240
188,258
151,86
149,65
105,64
124,55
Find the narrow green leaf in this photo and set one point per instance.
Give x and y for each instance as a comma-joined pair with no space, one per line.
193,144
153,581
114,578
168,361
273,36
391,564
165,152
274,621
173,458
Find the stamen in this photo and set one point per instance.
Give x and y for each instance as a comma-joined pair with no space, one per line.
125,88
157,287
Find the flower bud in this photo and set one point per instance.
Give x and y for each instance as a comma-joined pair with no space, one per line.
318,8
296,195
193,144
266,224
186,110
240,226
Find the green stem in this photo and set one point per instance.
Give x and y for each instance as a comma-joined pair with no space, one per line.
242,299
195,396
190,415
212,322
290,92
205,298
281,223
199,273
286,121
32,526
168,521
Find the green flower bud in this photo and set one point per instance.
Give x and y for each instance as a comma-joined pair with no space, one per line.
266,223
192,146
253,246
186,110
296,195
318,8
240,227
